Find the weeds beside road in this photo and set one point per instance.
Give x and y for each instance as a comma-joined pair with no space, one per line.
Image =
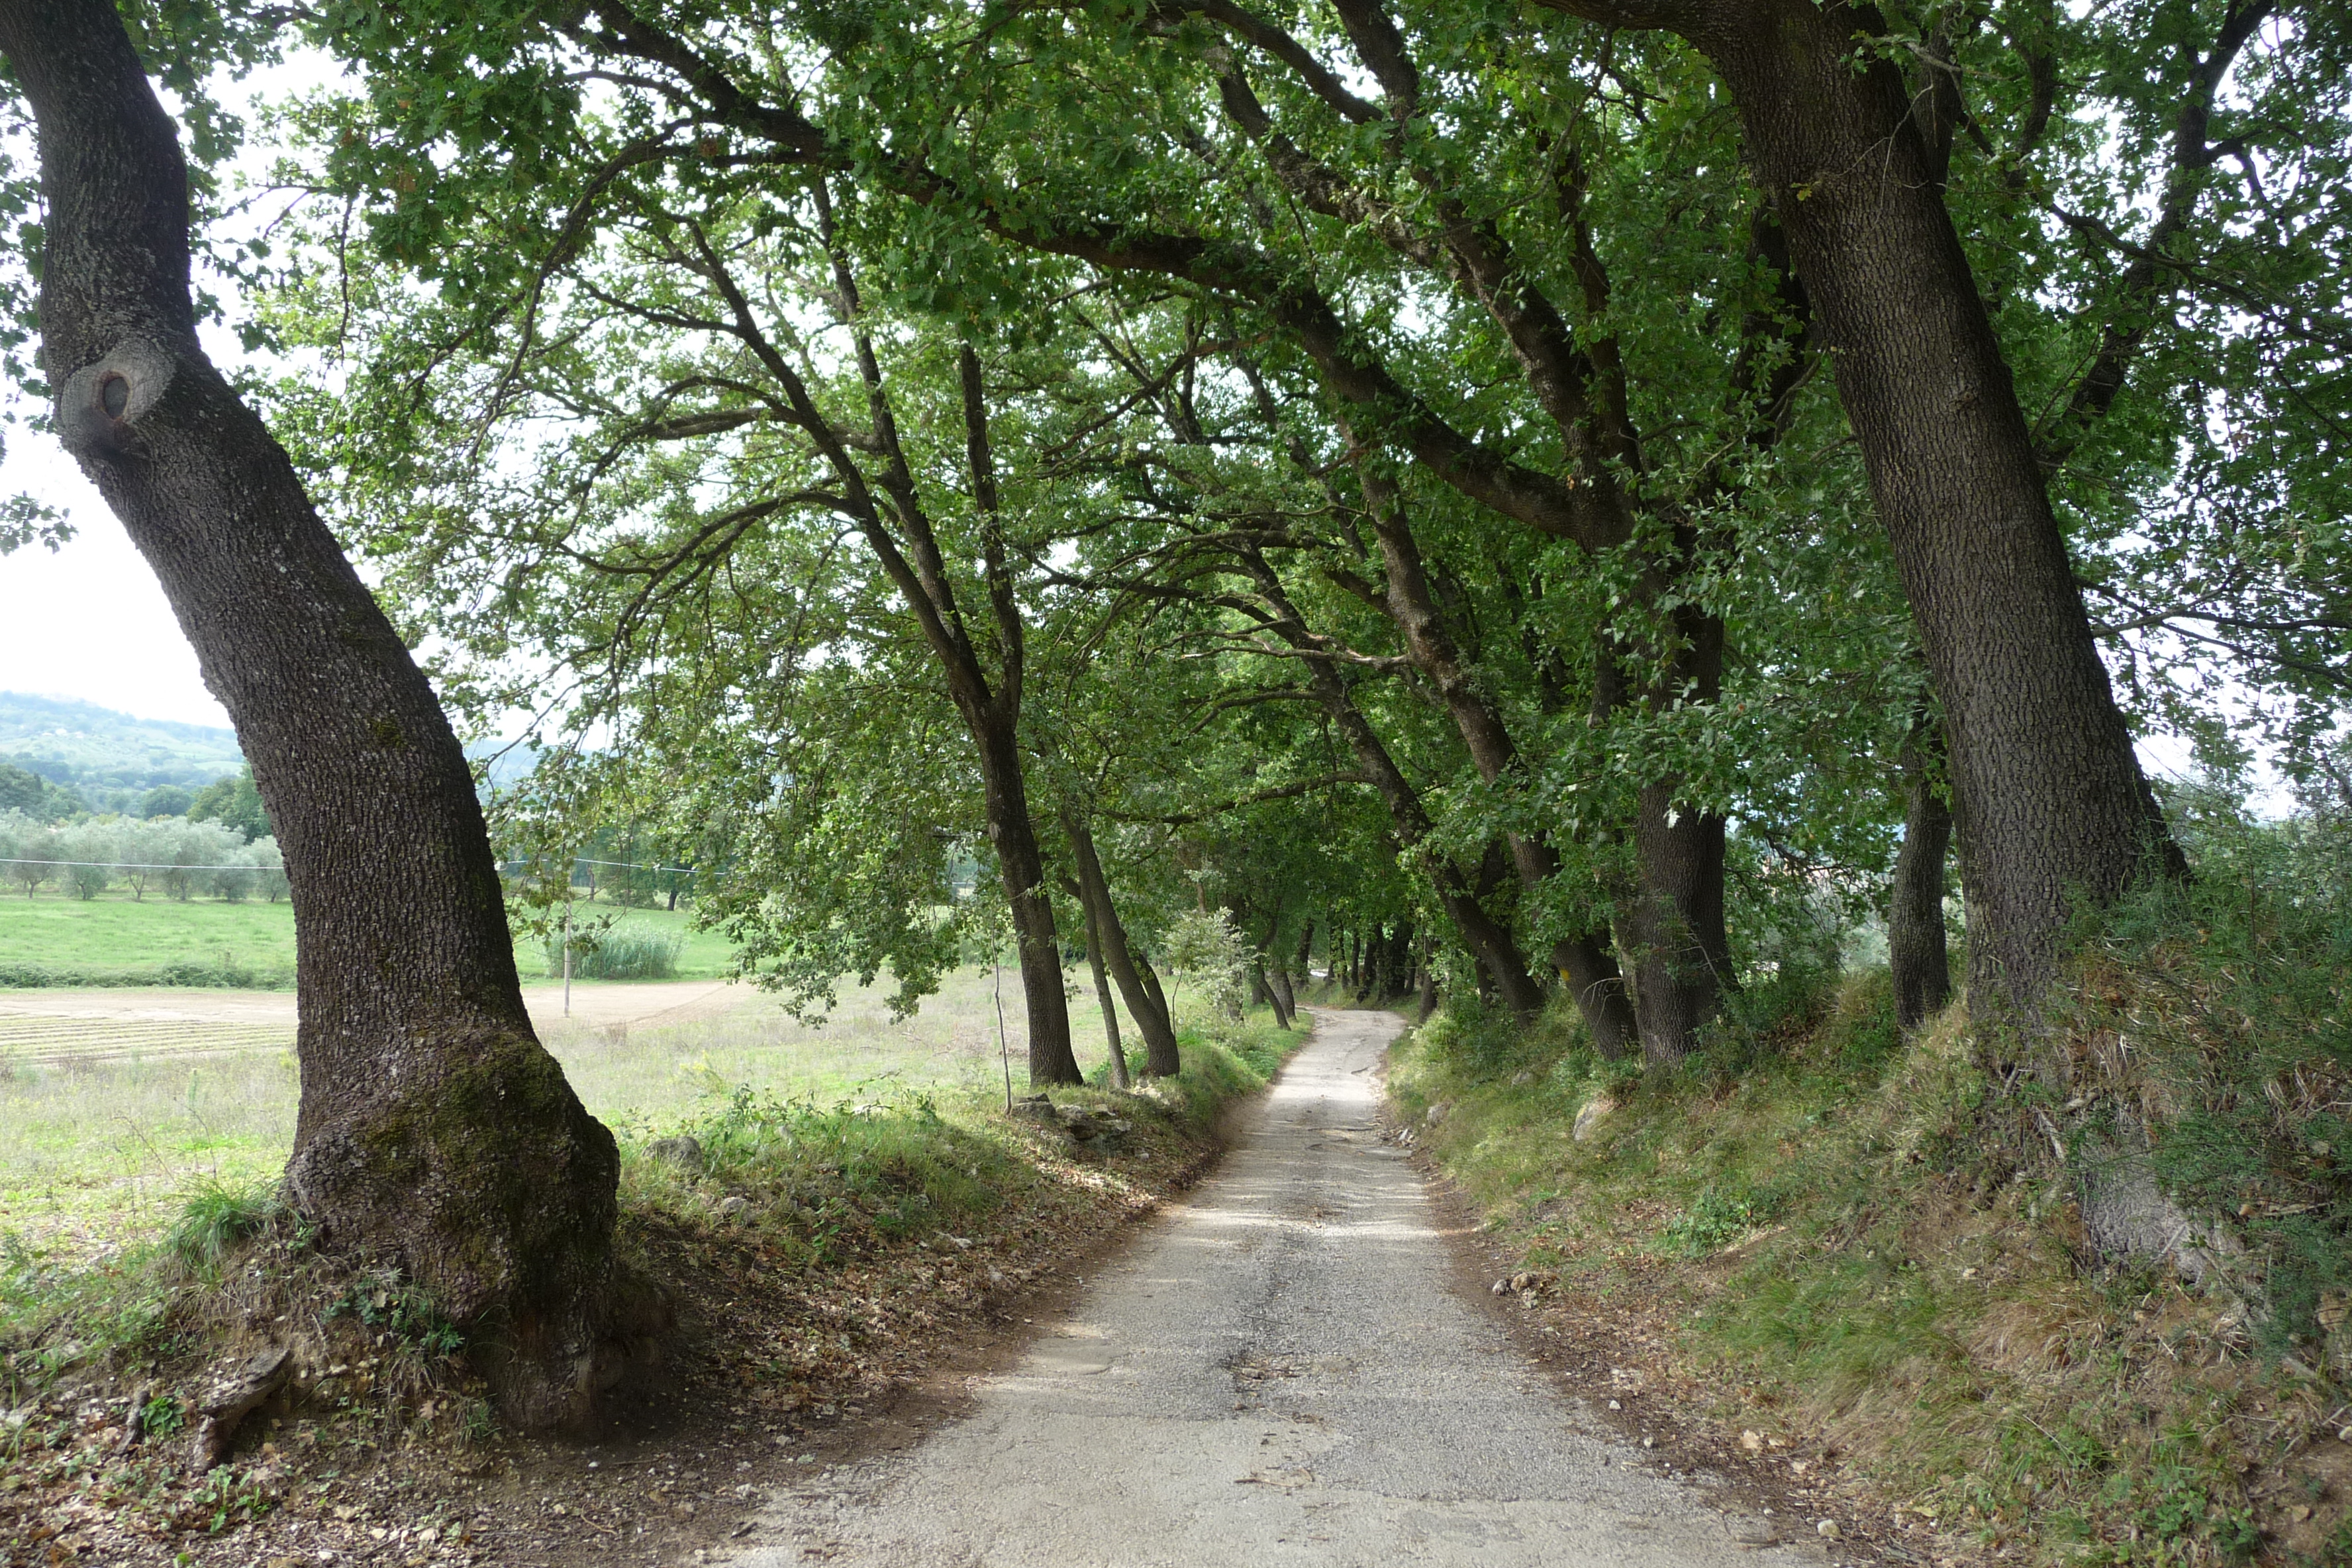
1819,1247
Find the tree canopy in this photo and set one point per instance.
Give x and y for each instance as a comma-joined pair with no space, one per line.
1407,436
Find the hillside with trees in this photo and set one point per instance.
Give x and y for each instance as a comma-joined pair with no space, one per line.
110,760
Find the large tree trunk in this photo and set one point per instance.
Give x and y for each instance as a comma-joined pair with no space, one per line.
434,1131
1674,928
994,717
2049,797
1916,954
1148,980
1118,1079
1270,993
1672,919
1138,984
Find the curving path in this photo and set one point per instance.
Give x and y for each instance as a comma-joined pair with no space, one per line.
1280,1371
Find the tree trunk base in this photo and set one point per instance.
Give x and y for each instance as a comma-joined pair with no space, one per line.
493,1191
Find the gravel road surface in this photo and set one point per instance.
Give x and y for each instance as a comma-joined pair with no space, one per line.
1282,1371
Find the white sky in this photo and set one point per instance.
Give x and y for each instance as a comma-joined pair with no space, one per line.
90,621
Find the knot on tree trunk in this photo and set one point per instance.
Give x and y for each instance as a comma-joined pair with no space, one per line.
100,405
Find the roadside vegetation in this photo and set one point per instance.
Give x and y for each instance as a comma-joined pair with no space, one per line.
2129,1346
107,1124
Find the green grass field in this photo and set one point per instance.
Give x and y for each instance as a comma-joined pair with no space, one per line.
149,942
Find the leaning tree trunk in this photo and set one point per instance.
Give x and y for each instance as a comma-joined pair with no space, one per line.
1286,997
2049,797
1118,1079
1023,870
1267,972
1915,955
991,713
1148,987
1583,961
1274,1000
1138,982
434,1131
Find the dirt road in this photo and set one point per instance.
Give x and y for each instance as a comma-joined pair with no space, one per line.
1284,1371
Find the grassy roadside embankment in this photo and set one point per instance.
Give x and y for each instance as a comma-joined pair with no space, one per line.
54,939
817,1254
1828,1245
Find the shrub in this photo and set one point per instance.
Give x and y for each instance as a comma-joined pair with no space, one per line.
622,955
1204,948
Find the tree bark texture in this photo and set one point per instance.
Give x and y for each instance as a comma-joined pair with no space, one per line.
1139,984
1674,927
434,1131
1148,982
2049,798
1916,952
1021,865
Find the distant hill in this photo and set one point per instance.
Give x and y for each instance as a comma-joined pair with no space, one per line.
110,758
